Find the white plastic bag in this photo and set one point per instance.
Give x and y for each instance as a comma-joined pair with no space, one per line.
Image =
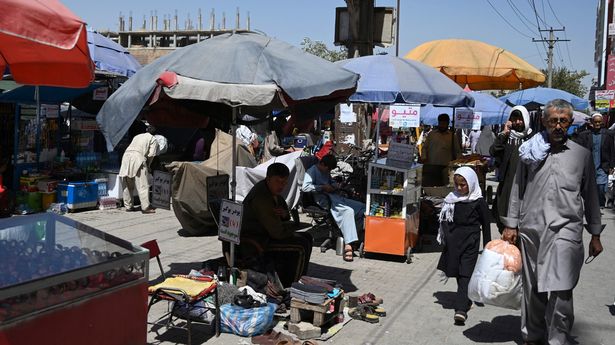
494,285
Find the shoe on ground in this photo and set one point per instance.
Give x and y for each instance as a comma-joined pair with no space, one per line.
148,211
130,209
460,317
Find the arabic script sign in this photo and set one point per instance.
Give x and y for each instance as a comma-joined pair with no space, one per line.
404,115
610,73
229,228
465,118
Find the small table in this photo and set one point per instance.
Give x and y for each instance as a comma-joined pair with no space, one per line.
321,312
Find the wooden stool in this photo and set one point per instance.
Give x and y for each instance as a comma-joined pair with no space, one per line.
320,311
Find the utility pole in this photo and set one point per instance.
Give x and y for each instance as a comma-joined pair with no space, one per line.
361,15
551,41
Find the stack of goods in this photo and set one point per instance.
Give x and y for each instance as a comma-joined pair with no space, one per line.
314,290
36,193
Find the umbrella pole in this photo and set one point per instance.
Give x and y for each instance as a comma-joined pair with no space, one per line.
378,113
233,275
37,96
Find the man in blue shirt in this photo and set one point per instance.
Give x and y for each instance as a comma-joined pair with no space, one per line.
348,213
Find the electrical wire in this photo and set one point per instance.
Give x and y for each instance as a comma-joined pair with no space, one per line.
554,14
507,22
520,14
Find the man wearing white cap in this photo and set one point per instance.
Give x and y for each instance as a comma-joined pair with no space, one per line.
600,143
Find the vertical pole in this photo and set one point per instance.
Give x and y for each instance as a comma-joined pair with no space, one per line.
16,172
379,114
397,31
550,58
233,184
37,95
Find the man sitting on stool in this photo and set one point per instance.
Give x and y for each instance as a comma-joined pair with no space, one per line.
265,230
347,213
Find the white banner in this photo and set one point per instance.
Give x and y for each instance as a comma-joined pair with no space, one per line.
346,114
467,119
404,115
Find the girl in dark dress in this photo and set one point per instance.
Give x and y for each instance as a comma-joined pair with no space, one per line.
463,215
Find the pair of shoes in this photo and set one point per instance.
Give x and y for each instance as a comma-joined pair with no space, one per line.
148,211
370,299
130,209
364,314
460,317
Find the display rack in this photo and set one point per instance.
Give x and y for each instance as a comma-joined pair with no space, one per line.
64,282
392,209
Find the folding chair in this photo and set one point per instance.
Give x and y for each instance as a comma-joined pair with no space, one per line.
188,295
154,251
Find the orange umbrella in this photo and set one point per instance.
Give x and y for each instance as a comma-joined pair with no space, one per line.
478,65
44,43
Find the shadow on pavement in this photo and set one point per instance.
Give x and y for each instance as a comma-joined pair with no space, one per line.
611,308
200,333
445,298
501,329
341,275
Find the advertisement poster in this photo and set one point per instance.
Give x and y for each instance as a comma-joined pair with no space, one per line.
404,115
465,118
346,114
604,99
161,190
229,228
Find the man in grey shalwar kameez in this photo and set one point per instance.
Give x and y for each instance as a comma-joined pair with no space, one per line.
555,180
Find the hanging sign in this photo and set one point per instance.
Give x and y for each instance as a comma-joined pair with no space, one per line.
161,190
400,155
404,115
346,114
100,94
50,111
217,187
466,118
604,99
229,227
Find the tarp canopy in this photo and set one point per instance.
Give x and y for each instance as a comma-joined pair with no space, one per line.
303,81
539,96
388,79
479,65
110,57
44,43
493,111
48,94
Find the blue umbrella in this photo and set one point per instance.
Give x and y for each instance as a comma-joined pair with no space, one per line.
111,57
494,111
387,79
538,96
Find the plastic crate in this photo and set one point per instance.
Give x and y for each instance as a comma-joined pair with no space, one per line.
107,203
77,195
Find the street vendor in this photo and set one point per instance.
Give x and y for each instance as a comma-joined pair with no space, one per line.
135,168
438,150
266,233
348,213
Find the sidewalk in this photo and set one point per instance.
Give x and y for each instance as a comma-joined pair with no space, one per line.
417,302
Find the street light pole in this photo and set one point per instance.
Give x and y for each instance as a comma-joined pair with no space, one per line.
397,31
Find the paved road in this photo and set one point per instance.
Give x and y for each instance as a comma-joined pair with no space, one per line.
418,304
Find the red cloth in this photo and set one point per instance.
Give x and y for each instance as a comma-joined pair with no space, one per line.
44,43
324,150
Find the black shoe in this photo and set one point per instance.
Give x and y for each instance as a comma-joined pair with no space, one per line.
130,209
460,317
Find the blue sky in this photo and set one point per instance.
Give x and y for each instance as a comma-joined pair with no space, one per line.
421,21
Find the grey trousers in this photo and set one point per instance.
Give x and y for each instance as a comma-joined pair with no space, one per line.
547,315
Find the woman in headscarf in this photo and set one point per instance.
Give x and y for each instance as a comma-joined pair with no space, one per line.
505,150
464,214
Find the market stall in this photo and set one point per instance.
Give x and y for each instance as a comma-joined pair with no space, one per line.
64,282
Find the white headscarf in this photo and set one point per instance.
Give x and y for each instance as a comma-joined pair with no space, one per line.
514,135
448,208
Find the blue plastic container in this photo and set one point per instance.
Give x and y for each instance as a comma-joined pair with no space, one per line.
77,195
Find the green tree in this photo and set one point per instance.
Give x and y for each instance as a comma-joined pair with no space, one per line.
320,49
568,80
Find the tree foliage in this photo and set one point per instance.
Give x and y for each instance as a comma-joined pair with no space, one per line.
320,49
568,80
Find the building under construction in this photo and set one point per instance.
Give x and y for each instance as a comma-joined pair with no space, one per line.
149,41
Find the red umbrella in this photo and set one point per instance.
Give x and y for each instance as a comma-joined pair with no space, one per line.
44,43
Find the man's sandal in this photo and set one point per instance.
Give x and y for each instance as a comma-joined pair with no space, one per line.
363,314
370,299
348,255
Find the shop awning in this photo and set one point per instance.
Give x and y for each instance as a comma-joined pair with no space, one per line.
48,94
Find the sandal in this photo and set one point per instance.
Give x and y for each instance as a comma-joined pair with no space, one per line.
370,299
376,310
348,255
361,313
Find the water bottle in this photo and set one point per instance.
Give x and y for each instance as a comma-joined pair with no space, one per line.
339,246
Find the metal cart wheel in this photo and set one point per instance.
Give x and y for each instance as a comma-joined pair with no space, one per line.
409,255
362,250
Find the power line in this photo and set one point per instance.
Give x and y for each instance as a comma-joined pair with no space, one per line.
552,40
568,50
507,22
520,14
533,5
554,14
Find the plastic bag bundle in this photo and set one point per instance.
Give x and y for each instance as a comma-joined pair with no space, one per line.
496,279
246,322
512,255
